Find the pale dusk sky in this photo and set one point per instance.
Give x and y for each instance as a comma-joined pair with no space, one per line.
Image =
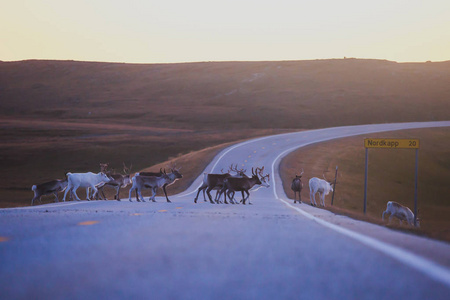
168,31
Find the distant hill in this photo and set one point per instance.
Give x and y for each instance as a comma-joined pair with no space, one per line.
212,95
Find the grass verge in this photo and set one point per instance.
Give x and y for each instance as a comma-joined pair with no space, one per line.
391,177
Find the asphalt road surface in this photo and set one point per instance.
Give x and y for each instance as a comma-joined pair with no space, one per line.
181,250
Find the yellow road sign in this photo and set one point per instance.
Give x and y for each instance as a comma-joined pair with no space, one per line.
392,143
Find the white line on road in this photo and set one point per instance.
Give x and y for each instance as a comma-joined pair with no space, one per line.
429,268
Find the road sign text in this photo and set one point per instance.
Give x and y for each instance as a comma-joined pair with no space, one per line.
392,143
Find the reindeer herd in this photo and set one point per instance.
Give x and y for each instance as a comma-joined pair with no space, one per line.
226,184
94,183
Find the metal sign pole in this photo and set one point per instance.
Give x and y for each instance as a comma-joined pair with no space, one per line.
415,187
334,185
365,180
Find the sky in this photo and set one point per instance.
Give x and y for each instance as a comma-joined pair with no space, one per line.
171,31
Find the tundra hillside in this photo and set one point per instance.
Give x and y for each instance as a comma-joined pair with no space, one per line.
60,116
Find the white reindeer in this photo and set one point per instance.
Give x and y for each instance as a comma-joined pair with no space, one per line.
317,185
403,213
84,180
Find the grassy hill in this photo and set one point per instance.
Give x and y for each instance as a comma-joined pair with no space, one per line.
202,96
60,116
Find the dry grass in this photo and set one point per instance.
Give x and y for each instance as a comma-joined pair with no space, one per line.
391,177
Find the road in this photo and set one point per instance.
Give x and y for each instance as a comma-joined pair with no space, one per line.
181,250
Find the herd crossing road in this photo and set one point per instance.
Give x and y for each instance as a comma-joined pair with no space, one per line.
272,249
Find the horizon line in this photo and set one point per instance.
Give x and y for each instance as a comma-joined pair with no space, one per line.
218,61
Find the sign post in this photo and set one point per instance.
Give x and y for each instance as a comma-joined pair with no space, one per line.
392,144
365,180
334,185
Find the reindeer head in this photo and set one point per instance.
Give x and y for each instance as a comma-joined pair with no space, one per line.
174,170
177,173
299,176
263,179
126,170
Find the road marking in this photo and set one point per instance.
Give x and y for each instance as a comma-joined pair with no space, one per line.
178,207
162,210
87,223
427,267
49,205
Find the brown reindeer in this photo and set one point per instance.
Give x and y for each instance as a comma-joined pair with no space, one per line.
215,182
210,182
51,187
119,181
153,182
157,174
297,186
244,184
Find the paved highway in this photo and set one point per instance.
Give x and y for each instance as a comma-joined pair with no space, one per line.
181,250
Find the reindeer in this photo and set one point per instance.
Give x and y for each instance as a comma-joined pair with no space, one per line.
317,185
153,183
118,181
402,213
215,182
210,182
297,186
86,180
46,188
157,174
244,184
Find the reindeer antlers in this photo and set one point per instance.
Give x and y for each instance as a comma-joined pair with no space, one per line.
173,166
127,170
235,169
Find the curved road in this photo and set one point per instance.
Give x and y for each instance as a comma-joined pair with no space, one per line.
182,250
